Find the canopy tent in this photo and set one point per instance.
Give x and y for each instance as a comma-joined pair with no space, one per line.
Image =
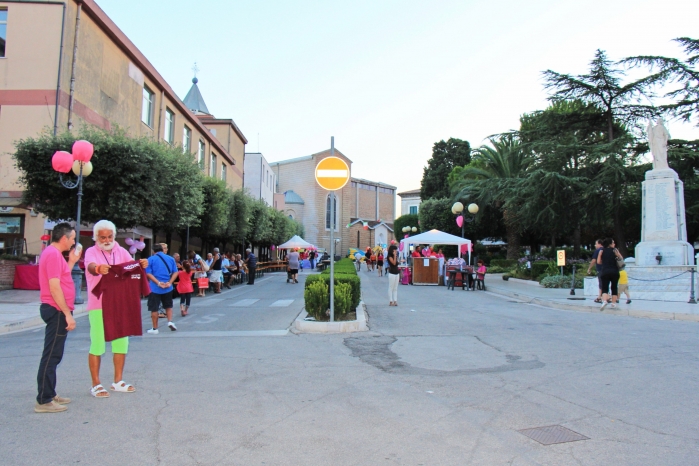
436,237
296,242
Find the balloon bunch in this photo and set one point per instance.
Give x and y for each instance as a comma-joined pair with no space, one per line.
64,162
135,245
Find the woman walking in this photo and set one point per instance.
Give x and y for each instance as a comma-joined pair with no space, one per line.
393,275
379,263
609,275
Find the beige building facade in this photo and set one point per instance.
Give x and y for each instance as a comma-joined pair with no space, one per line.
308,203
67,65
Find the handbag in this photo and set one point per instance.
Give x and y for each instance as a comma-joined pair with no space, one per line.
203,282
620,263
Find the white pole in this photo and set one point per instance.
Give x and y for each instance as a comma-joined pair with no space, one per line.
332,241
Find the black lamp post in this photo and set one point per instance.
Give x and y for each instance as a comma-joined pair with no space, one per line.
79,163
458,210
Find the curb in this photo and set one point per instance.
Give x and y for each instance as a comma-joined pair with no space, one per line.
594,310
34,322
349,326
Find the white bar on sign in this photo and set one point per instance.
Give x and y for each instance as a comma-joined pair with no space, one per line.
332,173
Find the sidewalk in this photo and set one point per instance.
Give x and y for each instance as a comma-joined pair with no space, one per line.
558,298
19,310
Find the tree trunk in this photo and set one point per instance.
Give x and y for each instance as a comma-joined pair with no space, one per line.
512,243
168,239
576,241
619,238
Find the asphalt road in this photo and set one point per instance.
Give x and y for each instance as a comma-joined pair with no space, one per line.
446,378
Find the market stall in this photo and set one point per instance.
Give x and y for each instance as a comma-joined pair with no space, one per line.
426,271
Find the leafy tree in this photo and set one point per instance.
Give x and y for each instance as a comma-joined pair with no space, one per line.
238,212
213,221
492,179
621,105
445,156
259,223
131,184
407,220
436,214
682,72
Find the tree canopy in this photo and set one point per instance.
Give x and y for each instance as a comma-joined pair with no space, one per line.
445,156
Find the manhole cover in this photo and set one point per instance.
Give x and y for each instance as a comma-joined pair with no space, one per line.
550,435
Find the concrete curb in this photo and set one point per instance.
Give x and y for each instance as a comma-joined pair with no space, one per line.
349,326
593,309
34,322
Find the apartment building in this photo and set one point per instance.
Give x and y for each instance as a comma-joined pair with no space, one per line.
260,179
66,64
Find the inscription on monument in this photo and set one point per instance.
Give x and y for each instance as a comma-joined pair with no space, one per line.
660,210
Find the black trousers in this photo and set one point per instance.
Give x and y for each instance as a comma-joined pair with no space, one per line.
54,343
251,275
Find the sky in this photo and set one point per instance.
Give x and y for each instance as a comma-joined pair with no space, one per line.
388,78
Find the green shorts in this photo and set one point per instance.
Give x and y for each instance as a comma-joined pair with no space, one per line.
97,344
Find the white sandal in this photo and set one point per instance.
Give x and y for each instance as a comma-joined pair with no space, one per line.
98,391
123,387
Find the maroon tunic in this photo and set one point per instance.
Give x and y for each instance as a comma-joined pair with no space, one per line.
121,291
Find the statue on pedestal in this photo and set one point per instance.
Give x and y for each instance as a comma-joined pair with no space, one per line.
657,140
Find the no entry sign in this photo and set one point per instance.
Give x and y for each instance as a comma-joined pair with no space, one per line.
332,173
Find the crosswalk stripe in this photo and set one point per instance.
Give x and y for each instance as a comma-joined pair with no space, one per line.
282,303
245,302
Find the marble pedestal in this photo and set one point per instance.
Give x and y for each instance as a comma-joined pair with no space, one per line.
664,229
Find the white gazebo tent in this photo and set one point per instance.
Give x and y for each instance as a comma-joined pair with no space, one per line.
436,237
296,242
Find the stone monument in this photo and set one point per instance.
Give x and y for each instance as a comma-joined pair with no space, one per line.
664,229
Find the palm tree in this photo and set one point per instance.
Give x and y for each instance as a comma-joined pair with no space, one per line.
491,179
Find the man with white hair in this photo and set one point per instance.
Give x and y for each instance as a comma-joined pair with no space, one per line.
100,258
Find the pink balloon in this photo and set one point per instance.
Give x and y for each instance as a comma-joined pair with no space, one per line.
62,161
273,247
460,221
82,150
129,241
140,245
406,236
400,247
132,249
464,248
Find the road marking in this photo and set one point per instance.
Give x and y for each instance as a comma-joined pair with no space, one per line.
245,302
282,303
224,333
209,318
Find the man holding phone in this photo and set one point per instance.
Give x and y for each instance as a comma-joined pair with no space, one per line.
57,293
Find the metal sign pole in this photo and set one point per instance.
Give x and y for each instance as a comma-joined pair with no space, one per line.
332,241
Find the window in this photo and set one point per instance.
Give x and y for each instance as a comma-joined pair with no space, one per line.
169,135
327,212
386,190
186,140
413,209
212,166
353,184
3,31
223,171
147,111
200,154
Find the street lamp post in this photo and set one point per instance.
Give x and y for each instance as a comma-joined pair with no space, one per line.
79,163
458,210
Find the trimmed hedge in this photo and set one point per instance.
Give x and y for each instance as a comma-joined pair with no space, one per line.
348,289
345,265
350,279
504,263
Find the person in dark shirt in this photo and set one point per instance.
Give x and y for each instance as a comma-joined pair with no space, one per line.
593,262
251,262
609,274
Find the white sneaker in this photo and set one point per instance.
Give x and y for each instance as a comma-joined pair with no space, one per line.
153,331
172,326
604,304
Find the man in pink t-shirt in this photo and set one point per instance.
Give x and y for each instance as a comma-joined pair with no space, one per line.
57,294
98,259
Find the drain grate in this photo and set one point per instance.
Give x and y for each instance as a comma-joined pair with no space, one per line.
550,435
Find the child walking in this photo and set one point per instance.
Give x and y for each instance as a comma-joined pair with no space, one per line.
185,288
624,284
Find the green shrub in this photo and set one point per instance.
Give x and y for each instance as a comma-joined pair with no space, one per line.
561,281
504,263
316,298
343,299
540,268
350,279
345,265
497,269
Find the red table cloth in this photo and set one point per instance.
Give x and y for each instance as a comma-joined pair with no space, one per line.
26,277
